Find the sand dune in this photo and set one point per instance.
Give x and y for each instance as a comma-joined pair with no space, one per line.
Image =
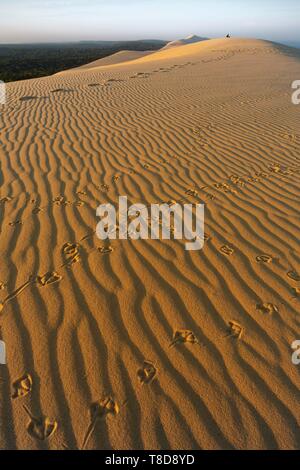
182,42
122,56
141,344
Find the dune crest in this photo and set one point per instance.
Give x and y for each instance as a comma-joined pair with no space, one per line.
182,42
118,57
229,47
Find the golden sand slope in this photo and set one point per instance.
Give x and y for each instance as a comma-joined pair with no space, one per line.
122,56
215,117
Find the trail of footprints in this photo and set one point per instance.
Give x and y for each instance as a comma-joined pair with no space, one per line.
139,75
42,427
57,201
223,186
106,82
147,373
72,251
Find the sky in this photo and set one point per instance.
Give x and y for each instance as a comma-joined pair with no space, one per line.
24,21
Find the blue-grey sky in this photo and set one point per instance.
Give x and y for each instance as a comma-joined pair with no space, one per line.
73,20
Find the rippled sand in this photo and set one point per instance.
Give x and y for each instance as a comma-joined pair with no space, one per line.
142,344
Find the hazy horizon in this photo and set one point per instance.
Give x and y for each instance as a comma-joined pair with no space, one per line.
33,21
284,42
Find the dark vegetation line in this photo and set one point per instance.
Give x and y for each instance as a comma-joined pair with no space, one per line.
24,61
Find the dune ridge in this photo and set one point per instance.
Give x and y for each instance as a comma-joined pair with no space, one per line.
122,56
141,344
182,42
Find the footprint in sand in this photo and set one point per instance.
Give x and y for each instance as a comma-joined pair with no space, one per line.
40,428
227,250
111,80
147,373
264,259
171,202
100,410
14,223
79,203
294,276
94,84
191,192
105,250
104,187
235,329
50,277
71,253
28,98
226,188
184,336
70,249
5,199
17,292
22,386
253,179
60,90
267,308
104,407
36,210
59,201
74,259
2,286
276,168
237,180
81,193
137,75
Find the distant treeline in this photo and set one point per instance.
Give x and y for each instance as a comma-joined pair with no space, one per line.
24,61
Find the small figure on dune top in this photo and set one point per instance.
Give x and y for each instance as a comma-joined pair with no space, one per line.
228,35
